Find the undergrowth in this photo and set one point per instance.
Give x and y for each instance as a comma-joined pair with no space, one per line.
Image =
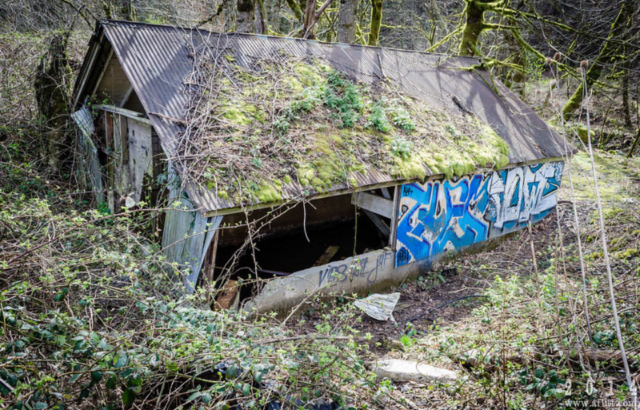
93,317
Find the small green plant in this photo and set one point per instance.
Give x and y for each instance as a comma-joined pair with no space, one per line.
378,118
401,147
401,118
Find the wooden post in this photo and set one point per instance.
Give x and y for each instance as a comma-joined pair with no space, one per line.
394,217
211,265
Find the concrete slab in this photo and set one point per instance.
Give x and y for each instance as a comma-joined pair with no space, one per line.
405,371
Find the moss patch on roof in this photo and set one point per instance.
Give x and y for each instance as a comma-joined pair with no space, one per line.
269,125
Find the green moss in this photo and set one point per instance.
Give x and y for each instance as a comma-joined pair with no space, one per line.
308,76
628,254
268,193
223,195
236,116
320,136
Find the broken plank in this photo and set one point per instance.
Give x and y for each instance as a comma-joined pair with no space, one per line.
327,255
373,203
229,296
378,222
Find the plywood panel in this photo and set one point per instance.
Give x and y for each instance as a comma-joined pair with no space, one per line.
140,156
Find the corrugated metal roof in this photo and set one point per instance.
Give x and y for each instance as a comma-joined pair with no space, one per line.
156,60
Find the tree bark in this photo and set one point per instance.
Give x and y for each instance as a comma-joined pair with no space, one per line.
52,96
295,8
246,16
261,18
473,27
229,8
347,21
594,71
376,22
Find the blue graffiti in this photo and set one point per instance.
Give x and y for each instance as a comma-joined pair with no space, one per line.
444,215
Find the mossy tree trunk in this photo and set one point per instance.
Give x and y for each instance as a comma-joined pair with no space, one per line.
52,96
261,18
229,14
515,79
595,69
473,27
128,11
347,21
246,16
629,17
295,8
376,22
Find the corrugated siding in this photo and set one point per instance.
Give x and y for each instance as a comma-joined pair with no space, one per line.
88,151
156,60
186,235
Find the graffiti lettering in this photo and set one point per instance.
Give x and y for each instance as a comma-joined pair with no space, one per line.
356,268
442,215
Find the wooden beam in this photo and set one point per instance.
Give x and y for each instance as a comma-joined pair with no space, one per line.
134,115
104,70
373,203
126,97
379,223
327,255
211,265
394,218
85,75
328,194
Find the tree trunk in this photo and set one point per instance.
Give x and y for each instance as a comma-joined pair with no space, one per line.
515,79
473,27
594,71
261,18
52,96
246,16
229,10
295,8
347,21
128,11
376,22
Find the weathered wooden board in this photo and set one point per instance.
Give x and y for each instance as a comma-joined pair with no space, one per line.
376,204
140,156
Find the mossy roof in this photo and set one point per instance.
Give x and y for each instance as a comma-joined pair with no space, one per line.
468,120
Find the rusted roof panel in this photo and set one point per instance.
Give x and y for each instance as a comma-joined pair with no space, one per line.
156,61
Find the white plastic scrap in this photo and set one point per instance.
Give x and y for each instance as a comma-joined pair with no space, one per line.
378,306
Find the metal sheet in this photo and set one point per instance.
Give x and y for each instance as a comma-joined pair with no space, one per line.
156,61
186,235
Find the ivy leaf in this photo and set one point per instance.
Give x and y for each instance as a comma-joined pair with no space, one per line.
194,396
60,296
232,372
246,389
122,360
128,397
111,382
206,398
96,376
